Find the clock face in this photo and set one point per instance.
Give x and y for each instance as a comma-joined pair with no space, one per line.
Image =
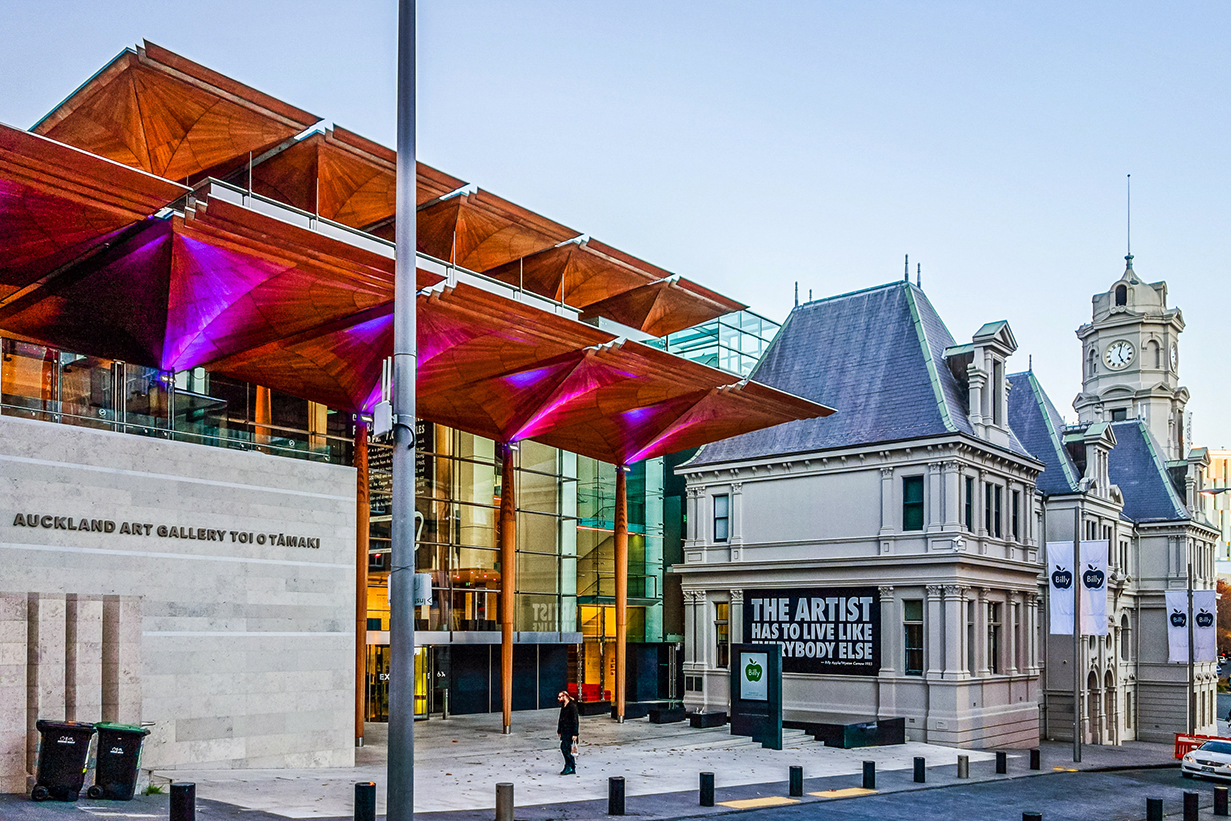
1175,356
1118,355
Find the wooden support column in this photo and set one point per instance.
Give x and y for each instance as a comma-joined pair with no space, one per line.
262,413
621,586
363,512
508,582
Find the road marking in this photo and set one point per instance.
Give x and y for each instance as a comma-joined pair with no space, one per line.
753,803
849,792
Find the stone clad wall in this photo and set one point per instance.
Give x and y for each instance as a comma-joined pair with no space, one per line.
208,592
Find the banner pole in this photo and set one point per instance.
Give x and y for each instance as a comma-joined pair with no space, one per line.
1192,684
1077,583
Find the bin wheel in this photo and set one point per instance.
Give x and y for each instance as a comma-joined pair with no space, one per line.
95,791
40,793
73,796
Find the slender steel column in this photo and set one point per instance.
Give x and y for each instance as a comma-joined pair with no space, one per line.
508,582
621,586
363,512
401,765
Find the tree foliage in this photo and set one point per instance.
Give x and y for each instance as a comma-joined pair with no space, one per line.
1224,618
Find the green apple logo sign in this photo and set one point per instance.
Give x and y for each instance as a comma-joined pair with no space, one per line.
753,671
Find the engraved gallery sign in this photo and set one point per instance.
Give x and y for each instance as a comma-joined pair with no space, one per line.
162,531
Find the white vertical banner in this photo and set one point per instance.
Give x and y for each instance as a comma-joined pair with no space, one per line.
1060,580
1093,588
1205,634
1177,626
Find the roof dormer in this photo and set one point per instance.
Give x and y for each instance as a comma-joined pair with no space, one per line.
982,363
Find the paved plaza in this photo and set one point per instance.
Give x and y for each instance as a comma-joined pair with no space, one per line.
459,761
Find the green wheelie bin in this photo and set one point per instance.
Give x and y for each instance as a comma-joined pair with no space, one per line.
117,761
63,748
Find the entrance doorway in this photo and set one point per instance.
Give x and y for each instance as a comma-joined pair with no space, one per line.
377,701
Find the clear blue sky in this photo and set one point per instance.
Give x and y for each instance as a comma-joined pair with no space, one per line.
749,145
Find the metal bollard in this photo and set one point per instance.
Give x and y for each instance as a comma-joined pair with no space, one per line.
1036,759
1154,809
797,782
869,775
365,801
963,766
1032,816
504,801
920,772
1190,806
1002,762
707,789
615,795
183,801
1220,800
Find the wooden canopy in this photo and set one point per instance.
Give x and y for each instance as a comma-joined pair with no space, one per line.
155,110
93,260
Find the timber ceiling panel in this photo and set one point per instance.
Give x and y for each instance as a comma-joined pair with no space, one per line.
577,273
481,231
154,110
57,202
663,307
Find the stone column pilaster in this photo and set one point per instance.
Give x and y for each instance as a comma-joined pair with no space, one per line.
890,631
953,496
981,667
935,497
934,651
887,513
953,631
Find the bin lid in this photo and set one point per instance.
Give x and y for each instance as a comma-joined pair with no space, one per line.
121,728
64,725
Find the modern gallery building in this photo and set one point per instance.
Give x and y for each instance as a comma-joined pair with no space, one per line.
196,287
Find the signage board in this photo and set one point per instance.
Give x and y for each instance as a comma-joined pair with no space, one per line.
825,630
754,678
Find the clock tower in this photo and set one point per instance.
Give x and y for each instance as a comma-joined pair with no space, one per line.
1131,361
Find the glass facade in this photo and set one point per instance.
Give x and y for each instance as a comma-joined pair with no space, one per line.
734,342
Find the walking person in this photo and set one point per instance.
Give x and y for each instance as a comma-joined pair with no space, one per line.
567,730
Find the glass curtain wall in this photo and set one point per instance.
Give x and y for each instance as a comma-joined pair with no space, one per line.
51,385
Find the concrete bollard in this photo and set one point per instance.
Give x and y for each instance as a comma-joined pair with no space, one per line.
1032,816
869,775
615,795
707,789
183,801
920,771
1002,762
504,801
797,782
1190,806
1220,800
365,801
1154,809
963,766
1036,759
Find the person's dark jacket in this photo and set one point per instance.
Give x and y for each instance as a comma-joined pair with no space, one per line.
568,724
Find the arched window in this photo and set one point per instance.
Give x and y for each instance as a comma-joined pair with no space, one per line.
1126,638
1121,294
1154,353
1092,363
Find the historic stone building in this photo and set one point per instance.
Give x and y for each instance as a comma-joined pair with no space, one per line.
938,483
917,488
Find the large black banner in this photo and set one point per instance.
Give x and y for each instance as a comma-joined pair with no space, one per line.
821,629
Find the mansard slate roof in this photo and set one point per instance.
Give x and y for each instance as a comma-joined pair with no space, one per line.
1038,425
876,356
1137,467
1134,463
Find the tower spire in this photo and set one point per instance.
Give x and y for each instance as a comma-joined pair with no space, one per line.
906,272
1128,199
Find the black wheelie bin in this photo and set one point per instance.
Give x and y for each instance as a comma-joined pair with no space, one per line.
62,752
117,761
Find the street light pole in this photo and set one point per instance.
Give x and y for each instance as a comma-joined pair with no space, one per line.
400,803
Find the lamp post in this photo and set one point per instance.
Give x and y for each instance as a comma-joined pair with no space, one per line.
400,804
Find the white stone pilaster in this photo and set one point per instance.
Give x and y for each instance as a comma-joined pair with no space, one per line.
934,651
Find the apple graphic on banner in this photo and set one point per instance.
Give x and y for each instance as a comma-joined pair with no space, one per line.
1092,578
1178,619
1062,578
753,671
1204,619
